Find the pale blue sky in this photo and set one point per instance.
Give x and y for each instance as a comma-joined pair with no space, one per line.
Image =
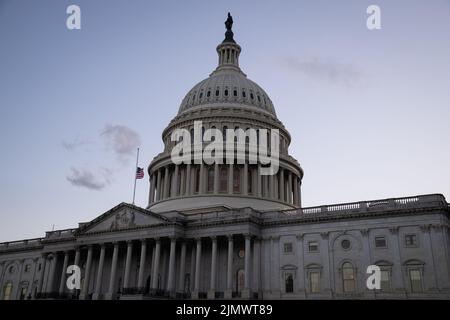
368,111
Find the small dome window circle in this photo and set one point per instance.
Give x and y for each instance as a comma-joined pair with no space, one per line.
345,244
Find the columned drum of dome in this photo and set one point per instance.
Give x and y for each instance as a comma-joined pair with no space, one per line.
225,100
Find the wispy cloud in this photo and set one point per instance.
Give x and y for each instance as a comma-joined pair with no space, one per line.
122,140
75,144
86,179
331,71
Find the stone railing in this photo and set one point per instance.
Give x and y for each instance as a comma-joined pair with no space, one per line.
422,201
59,234
21,244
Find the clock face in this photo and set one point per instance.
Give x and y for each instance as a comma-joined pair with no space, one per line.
241,253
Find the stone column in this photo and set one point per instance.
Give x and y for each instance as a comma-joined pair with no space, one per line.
245,184
98,282
174,192
166,183
216,178
201,186
62,283
301,266
158,186
126,281
51,274
299,192
259,181
230,178
256,266
192,280
295,190
197,268
289,188
171,279
182,267
142,263
156,264
281,184
112,280
76,262
77,257
434,284
87,272
183,181
41,277
152,189
229,290
188,189
246,293
271,186
212,286
397,272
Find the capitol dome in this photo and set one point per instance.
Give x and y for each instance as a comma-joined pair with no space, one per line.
227,86
226,100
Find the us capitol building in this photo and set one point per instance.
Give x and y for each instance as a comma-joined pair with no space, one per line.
224,231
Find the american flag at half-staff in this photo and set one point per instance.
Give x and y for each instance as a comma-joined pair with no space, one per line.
139,174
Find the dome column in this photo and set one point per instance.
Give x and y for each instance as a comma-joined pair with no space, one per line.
166,183
216,178
295,190
158,186
281,184
245,184
289,188
230,178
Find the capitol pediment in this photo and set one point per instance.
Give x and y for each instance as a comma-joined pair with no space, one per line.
124,216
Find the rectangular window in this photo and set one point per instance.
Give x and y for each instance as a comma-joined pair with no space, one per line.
314,281
313,246
385,283
380,242
416,280
410,240
288,247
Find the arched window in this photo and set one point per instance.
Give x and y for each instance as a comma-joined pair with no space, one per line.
226,92
208,94
210,186
7,291
223,179
192,135
289,283
236,180
348,276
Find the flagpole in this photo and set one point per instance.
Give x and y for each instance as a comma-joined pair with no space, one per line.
135,174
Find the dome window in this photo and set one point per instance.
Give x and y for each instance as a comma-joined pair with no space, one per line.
252,96
226,92
259,98
217,93
243,93
208,94
201,95
235,93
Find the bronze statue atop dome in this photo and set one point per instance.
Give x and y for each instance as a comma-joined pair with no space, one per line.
228,26
229,22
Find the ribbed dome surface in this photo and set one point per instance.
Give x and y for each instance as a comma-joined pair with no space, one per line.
227,86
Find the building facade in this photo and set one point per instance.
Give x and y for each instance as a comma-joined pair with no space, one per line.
225,230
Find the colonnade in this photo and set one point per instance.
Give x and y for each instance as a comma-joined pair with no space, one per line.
183,180
172,288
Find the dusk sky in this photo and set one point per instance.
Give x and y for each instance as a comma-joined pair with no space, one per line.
368,110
